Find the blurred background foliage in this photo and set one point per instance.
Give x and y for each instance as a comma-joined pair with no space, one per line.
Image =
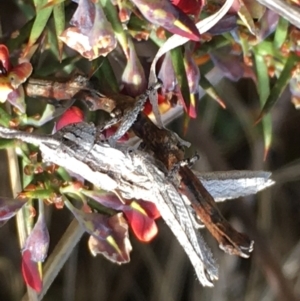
248,63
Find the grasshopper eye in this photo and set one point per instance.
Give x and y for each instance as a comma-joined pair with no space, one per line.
130,151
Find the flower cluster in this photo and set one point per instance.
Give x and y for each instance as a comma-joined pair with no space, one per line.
109,232
101,30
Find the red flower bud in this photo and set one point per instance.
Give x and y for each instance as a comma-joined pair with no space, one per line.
71,115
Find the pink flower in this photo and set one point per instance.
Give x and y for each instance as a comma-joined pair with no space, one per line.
140,214
35,250
91,35
163,13
109,234
11,80
30,272
191,7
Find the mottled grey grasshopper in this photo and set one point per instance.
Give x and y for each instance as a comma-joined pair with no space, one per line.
135,174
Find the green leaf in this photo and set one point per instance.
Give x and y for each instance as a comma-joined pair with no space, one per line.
266,48
106,76
27,9
64,174
5,143
4,118
281,32
40,22
47,115
178,64
52,41
59,23
211,91
212,45
52,66
264,92
279,86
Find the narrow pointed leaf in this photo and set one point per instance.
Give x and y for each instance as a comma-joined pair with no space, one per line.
192,71
264,93
107,78
179,68
210,90
39,24
281,32
59,23
279,86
